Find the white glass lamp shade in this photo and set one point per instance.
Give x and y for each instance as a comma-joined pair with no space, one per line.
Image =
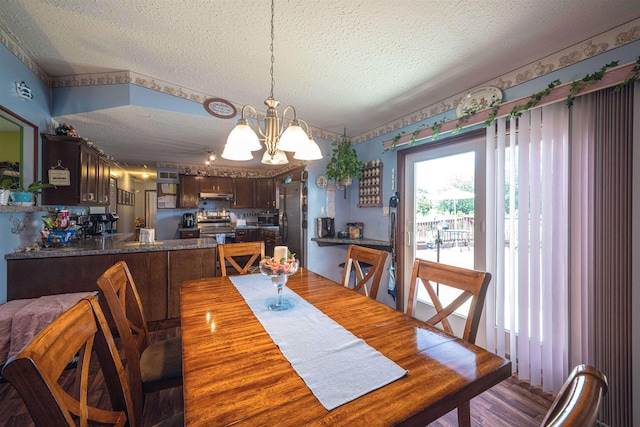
308,151
280,158
236,152
292,138
245,137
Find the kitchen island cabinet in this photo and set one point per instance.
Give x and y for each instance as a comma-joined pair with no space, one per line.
158,269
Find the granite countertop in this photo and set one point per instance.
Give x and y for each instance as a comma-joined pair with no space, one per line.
331,241
113,244
258,227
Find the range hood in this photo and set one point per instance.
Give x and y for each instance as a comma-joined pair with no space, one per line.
216,196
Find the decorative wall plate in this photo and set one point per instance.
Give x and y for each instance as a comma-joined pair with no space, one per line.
478,99
321,181
220,108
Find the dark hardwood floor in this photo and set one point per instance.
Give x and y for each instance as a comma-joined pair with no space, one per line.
510,403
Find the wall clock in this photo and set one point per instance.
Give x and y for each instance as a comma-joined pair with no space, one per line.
220,108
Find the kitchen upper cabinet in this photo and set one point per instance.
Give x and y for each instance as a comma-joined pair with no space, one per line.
88,172
265,193
244,193
188,191
216,184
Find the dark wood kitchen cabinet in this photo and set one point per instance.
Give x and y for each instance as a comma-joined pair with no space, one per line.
188,191
88,172
271,239
157,274
244,193
247,235
216,184
79,274
265,193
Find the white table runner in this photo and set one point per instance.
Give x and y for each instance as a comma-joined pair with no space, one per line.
336,365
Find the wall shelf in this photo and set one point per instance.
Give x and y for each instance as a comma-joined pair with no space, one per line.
11,209
370,186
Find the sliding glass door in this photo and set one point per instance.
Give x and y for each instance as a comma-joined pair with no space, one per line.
444,210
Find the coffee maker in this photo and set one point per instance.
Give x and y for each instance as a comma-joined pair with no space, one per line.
325,227
188,220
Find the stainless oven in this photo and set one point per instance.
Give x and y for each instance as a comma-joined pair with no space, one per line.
212,226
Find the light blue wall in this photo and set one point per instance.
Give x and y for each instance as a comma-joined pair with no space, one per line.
35,111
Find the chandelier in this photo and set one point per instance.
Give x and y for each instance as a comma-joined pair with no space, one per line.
243,139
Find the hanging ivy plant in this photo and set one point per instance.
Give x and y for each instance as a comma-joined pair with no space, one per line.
344,164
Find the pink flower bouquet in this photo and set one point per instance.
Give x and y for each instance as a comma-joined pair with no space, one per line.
273,267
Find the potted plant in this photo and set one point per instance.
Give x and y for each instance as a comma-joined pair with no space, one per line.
9,180
26,196
344,164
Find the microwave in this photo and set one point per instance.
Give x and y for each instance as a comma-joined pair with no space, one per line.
269,218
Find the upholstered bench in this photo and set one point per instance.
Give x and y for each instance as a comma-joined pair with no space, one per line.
21,320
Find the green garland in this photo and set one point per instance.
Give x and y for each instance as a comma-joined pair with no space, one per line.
576,87
517,110
587,80
634,76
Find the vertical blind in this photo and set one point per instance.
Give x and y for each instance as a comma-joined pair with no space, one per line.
559,187
527,247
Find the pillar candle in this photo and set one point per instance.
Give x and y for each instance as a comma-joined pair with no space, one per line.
280,252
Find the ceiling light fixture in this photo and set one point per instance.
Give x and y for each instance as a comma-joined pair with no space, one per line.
211,157
243,138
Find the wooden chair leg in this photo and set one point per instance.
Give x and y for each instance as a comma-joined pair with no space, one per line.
464,415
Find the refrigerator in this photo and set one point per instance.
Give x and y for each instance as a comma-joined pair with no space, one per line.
292,209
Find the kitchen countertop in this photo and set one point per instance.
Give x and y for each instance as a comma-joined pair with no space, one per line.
370,243
113,244
257,227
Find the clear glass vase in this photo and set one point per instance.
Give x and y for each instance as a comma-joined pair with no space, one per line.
279,280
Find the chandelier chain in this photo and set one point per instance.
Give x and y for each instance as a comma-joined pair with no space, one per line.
273,82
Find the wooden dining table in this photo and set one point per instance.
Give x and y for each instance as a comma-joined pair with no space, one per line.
234,374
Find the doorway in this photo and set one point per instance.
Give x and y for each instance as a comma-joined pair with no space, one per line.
442,215
150,208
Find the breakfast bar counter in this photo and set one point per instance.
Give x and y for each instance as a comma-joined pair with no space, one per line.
112,244
157,268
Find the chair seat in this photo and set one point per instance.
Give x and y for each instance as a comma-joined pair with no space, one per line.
162,361
362,265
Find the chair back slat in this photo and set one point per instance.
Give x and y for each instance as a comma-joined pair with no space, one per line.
368,283
121,295
472,285
240,256
36,370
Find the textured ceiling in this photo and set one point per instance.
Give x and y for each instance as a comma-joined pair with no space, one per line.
357,64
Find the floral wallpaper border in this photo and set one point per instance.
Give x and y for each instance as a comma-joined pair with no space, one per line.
601,43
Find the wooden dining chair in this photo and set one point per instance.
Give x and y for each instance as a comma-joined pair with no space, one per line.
151,367
472,284
367,282
579,399
35,372
240,256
